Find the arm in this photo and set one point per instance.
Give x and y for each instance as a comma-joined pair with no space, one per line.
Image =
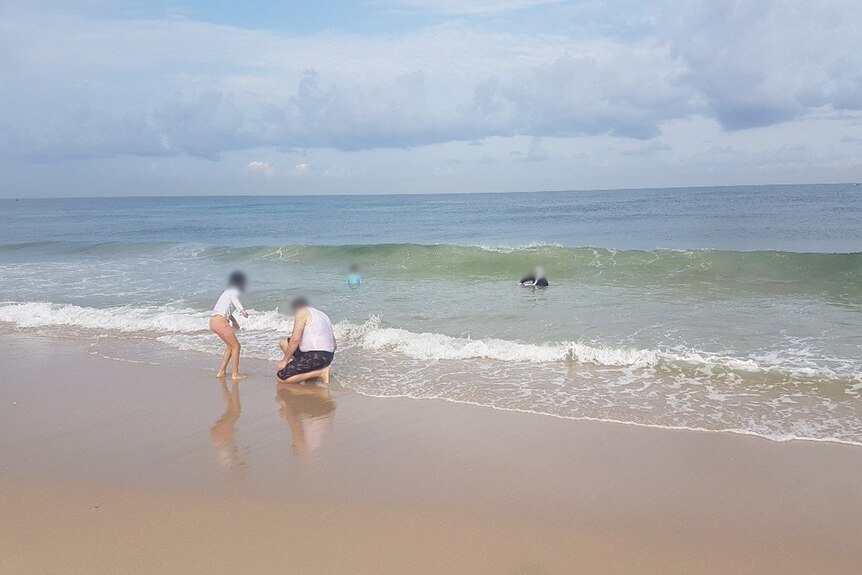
233,322
234,298
299,322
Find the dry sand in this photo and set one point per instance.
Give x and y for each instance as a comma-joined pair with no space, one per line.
117,467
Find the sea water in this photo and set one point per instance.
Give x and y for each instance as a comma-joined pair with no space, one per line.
723,309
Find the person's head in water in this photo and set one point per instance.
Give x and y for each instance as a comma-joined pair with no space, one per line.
237,280
536,280
354,279
299,303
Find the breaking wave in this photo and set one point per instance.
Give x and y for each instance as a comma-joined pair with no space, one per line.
836,274
769,397
188,325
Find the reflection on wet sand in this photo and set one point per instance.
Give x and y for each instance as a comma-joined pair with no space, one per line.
223,431
309,411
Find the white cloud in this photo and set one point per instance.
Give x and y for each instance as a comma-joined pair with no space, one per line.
301,169
76,88
465,7
70,98
261,167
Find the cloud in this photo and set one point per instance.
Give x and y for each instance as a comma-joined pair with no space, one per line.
465,7
261,167
763,62
78,88
624,90
649,149
537,152
301,169
392,92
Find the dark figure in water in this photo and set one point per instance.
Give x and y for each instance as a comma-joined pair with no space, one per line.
538,279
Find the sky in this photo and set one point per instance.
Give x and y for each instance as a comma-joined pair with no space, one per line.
194,97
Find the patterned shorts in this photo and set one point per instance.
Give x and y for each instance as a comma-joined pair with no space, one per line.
305,361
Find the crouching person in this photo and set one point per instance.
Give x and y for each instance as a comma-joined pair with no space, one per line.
309,350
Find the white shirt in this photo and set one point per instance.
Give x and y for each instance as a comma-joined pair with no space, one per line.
228,303
317,334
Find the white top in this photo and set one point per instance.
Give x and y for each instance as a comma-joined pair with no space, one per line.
228,303
317,335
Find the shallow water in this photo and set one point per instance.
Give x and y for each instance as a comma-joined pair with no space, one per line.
730,309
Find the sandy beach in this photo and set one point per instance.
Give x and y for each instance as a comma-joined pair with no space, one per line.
587,275
115,466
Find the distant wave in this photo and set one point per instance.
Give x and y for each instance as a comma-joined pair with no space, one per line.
163,322
771,272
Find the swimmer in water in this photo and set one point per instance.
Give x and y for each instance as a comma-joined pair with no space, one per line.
224,324
538,279
354,279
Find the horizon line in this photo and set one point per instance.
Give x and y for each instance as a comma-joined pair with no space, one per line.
372,194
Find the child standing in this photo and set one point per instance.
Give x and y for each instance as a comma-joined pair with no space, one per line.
224,324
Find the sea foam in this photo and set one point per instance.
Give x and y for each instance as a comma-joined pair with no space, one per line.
189,324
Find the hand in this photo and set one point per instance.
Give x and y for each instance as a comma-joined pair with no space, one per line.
244,314
280,365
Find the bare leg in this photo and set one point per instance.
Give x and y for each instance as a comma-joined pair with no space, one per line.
235,357
231,353
222,370
300,377
324,375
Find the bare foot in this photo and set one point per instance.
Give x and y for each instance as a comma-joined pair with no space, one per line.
238,376
221,375
324,375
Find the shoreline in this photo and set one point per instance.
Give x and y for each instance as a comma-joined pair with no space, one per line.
370,485
656,426
748,417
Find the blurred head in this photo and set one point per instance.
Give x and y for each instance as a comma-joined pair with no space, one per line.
299,303
238,280
539,272
354,269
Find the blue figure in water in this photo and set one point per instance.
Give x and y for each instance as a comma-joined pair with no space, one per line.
354,279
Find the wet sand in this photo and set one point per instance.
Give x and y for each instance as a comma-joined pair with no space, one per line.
110,466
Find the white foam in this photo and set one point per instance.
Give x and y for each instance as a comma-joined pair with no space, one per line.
128,319
125,319
430,346
372,335
503,249
701,395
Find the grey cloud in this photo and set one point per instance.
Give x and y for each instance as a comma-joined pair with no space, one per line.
763,62
628,91
745,63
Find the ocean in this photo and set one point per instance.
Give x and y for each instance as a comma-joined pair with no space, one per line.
735,309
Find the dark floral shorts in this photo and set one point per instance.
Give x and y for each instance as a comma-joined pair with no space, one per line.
305,361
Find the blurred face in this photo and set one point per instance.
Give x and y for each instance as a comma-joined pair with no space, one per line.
539,272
